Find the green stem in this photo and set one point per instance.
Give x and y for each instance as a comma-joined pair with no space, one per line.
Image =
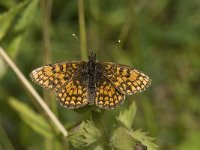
82,28
46,6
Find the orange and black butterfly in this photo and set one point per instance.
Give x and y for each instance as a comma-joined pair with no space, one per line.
78,83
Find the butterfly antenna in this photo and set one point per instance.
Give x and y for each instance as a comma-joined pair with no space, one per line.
118,41
74,35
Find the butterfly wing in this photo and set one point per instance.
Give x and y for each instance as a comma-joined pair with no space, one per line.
126,79
107,96
54,76
74,93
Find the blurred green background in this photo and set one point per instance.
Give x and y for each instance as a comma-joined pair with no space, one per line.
159,37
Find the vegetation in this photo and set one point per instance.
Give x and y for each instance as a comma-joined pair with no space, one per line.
159,37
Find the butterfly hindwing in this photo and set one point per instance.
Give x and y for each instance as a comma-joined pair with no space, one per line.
54,76
126,79
74,93
107,96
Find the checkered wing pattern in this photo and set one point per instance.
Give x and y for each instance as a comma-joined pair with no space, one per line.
126,79
74,93
55,76
107,96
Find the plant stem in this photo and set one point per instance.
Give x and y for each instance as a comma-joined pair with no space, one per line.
46,6
33,92
83,41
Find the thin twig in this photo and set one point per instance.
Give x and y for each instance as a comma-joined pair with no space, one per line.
33,92
83,41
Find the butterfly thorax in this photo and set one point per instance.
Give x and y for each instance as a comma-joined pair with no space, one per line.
91,76
91,64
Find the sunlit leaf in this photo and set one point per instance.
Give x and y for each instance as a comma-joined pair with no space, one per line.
122,139
99,147
34,120
85,134
91,132
76,138
144,139
127,116
3,68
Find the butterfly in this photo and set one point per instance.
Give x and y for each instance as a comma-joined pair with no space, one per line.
78,83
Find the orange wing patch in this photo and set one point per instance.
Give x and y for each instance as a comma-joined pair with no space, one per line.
126,79
73,95
107,97
54,76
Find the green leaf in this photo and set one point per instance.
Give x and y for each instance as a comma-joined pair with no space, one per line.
7,18
34,120
3,67
127,116
75,137
122,139
91,132
23,22
99,147
85,135
144,139
27,15
8,3
14,45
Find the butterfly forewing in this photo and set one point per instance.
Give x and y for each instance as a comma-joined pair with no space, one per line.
54,76
107,96
126,79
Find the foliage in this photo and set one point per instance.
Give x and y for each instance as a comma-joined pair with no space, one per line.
91,135
35,121
160,38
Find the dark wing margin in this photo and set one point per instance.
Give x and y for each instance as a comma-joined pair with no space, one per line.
54,76
126,79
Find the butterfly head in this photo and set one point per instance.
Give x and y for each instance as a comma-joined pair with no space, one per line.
92,57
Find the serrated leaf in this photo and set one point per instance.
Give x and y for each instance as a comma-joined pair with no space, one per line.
122,139
91,132
144,139
85,135
75,137
7,18
34,120
127,116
